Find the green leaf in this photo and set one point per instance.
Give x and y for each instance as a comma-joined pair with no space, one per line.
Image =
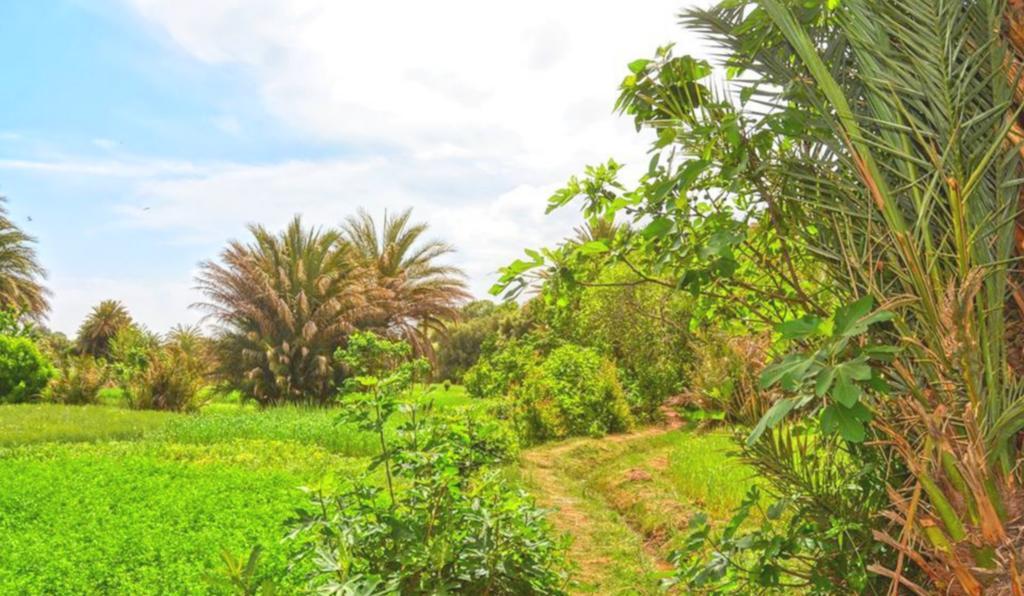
773,416
593,247
789,372
659,227
824,382
848,422
800,328
847,316
638,66
846,390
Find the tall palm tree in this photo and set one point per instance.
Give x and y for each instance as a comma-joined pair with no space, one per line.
912,200
21,275
101,327
283,304
419,295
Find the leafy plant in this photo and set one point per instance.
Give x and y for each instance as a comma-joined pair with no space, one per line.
78,381
451,526
171,380
573,392
24,371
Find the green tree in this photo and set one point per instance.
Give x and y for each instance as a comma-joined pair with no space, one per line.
417,293
100,328
886,171
283,303
21,275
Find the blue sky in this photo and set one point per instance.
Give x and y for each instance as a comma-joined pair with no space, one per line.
138,136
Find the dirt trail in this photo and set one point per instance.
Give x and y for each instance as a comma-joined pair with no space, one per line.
555,488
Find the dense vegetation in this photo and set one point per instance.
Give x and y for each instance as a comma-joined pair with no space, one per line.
818,272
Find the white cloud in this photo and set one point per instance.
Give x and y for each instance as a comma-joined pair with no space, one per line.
488,230
529,83
157,303
471,112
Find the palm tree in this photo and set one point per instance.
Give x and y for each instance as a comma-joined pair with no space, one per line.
283,304
419,295
21,275
100,328
911,199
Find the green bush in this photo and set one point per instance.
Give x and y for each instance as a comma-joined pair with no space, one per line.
24,371
171,380
504,368
456,527
574,392
78,381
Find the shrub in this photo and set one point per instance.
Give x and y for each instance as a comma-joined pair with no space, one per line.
457,527
642,328
78,381
24,371
574,392
170,380
504,368
465,342
726,376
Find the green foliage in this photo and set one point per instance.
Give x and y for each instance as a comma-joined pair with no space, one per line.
725,376
812,532
642,328
383,373
283,303
832,377
27,424
78,380
505,367
100,328
24,371
172,379
85,520
455,527
463,344
574,392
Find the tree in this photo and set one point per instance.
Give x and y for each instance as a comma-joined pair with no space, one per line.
878,143
21,275
100,328
461,347
418,295
283,304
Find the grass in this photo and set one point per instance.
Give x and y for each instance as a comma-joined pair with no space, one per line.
626,500
38,423
101,499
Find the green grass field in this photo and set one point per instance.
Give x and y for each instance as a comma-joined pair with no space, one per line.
100,499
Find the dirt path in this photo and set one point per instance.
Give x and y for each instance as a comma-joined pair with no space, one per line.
605,547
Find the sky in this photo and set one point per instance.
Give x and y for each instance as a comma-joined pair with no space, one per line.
137,137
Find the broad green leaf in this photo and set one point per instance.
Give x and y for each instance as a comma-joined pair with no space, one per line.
800,328
847,316
773,416
593,247
789,373
659,227
824,382
638,66
848,422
